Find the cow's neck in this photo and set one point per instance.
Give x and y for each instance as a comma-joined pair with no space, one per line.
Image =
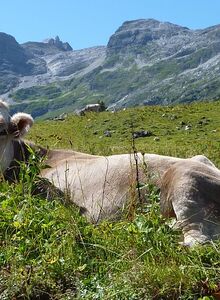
6,153
19,153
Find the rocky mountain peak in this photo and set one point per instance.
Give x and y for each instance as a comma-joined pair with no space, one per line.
149,24
141,32
58,43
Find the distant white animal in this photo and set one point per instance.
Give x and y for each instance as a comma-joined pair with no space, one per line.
90,108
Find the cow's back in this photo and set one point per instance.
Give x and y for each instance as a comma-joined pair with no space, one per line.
98,183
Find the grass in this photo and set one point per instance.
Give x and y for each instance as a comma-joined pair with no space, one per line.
49,251
168,123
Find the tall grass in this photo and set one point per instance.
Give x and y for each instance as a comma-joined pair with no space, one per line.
49,252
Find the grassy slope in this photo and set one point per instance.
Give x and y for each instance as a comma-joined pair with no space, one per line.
87,133
49,252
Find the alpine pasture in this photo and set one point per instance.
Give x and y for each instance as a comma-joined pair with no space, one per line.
49,251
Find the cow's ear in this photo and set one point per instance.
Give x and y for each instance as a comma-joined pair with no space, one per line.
23,122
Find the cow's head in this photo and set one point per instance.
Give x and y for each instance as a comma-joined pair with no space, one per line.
11,128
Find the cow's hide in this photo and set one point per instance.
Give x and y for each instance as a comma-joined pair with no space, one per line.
102,185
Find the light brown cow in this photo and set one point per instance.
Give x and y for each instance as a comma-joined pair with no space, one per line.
100,184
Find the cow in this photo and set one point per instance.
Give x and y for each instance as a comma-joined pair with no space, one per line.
103,185
97,107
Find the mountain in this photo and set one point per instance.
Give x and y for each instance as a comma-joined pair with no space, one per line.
18,61
165,63
15,62
145,62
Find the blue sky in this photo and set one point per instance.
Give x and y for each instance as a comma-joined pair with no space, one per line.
87,23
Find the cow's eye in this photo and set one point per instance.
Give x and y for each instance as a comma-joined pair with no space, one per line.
12,127
3,132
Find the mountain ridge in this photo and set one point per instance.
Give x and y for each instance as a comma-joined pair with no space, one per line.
145,62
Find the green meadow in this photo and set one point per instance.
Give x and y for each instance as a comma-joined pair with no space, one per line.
48,251
167,125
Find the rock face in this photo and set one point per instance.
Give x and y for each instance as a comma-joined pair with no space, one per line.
13,61
145,62
17,61
164,63
39,63
12,56
134,34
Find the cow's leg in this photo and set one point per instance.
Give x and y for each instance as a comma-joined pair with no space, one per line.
192,193
181,197
190,210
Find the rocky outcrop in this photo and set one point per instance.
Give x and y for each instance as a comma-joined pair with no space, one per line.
58,43
139,33
47,47
15,62
12,56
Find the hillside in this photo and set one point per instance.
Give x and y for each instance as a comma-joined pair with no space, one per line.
145,62
173,130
